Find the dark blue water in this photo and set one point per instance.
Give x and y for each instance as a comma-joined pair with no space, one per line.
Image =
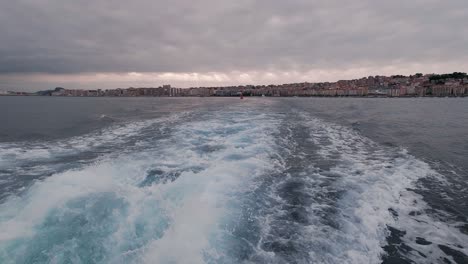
223,180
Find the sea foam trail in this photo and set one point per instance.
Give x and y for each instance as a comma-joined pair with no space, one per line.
246,184
378,199
339,197
164,202
22,162
334,196
21,152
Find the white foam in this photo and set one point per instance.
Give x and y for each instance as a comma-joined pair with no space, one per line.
197,217
376,179
18,157
180,215
115,134
218,160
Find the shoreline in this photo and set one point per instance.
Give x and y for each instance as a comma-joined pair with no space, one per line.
217,96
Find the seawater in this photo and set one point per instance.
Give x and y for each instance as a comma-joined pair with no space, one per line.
223,180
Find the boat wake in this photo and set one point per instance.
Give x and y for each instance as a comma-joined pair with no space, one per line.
241,185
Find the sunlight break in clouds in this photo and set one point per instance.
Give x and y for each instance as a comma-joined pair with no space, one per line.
193,79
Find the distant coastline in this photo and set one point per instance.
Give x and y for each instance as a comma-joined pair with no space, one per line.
417,85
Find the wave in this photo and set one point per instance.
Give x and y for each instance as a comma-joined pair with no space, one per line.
113,211
241,185
38,159
339,197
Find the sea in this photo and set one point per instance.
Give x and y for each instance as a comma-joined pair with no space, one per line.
224,180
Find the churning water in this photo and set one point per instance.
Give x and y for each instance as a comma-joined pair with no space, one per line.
210,180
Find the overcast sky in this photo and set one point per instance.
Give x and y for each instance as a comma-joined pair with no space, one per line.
121,43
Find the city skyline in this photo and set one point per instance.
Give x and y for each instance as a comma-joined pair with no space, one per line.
417,85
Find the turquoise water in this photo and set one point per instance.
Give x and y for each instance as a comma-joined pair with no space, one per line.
230,181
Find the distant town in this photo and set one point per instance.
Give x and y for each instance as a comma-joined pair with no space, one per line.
417,85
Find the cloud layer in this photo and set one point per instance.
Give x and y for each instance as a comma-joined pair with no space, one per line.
224,38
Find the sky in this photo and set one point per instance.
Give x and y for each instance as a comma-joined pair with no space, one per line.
91,44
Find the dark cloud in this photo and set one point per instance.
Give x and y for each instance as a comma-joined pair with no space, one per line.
82,36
